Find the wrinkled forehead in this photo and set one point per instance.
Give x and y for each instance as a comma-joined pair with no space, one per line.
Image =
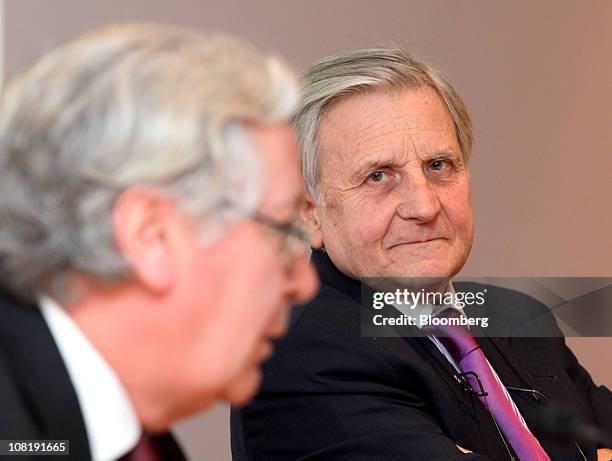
384,123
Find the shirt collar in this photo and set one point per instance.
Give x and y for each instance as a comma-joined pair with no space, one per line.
430,309
111,422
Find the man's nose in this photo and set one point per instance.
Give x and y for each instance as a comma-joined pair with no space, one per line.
303,281
419,199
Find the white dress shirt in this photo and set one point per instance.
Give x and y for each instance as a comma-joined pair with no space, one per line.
111,422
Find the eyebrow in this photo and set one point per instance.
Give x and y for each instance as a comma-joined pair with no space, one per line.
374,165
446,154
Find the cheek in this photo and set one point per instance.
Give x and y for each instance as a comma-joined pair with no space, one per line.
359,222
258,285
458,208
234,303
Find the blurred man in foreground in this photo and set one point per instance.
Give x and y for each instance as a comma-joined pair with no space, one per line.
385,143
148,246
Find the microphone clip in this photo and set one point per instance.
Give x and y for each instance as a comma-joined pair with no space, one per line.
461,378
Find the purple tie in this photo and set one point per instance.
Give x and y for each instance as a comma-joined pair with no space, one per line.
464,349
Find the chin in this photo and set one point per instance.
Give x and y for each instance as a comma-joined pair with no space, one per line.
425,273
244,387
427,268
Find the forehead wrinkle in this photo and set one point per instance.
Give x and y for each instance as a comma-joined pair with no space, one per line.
409,143
405,125
391,140
395,149
368,141
380,127
375,133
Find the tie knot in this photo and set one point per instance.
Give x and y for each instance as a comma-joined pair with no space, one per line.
145,450
454,336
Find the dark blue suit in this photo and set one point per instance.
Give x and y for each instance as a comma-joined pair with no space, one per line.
329,394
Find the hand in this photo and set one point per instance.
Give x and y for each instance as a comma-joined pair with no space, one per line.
604,454
464,450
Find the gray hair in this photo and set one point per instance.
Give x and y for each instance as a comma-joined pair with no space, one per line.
335,77
126,105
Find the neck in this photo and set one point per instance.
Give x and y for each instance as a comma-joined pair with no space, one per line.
119,324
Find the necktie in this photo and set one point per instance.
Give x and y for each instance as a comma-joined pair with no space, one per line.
464,349
145,450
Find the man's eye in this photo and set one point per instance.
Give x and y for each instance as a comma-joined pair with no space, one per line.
441,169
439,165
377,176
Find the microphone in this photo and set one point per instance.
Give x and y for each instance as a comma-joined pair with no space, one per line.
562,424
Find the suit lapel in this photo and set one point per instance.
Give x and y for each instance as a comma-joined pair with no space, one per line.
470,407
42,377
518,361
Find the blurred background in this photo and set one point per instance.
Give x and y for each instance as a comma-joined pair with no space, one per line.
537,77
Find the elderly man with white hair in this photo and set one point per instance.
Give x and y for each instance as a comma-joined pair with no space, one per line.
385,142
149,246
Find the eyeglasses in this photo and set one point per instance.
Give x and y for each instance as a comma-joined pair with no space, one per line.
297,242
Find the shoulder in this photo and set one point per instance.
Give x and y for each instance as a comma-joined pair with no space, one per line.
499,295
324,348
36,394
326,330
518,313
16,312
16,419
329,306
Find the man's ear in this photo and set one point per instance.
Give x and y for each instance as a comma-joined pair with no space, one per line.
310,215
141,220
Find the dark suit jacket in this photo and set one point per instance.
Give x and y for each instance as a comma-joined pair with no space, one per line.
329,394
37,399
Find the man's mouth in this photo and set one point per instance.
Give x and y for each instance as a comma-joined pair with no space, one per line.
417,241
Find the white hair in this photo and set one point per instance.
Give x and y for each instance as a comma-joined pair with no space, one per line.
126,105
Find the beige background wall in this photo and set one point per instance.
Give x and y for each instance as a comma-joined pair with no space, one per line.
537,77
1,42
